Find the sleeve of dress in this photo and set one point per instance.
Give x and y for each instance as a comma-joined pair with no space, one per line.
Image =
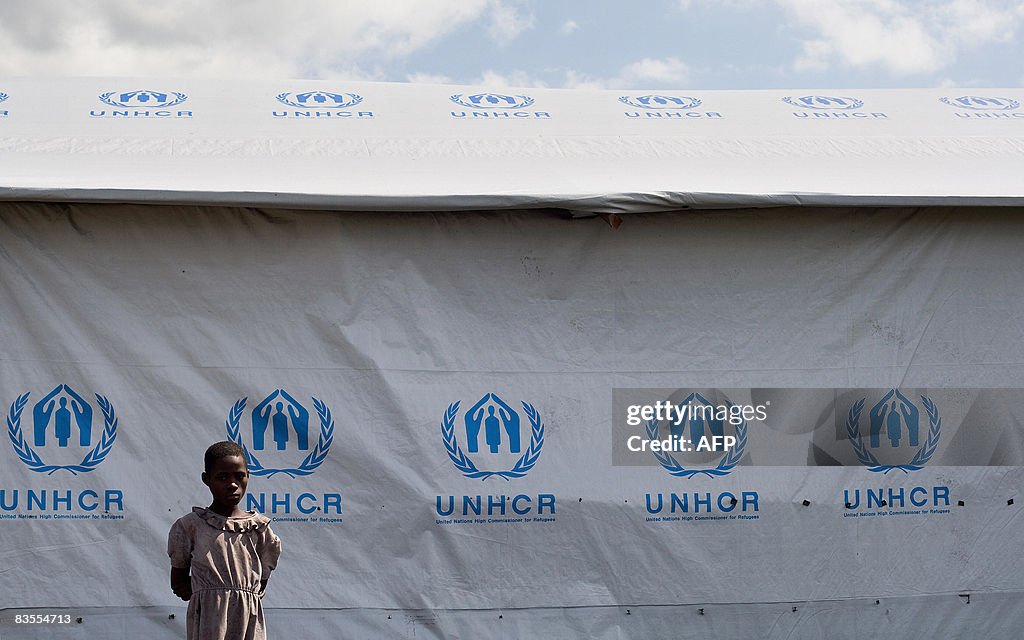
268,548
179,546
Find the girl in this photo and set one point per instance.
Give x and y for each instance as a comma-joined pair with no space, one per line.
229,552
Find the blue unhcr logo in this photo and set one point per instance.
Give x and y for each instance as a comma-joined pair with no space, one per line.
667,107
3,96
143,99
988,108
3,112
978,103
893,416
319,99
706,424
286,419
141,104
661,102
67,411
494,417
496,106
319,105
830,107
492,101
824,102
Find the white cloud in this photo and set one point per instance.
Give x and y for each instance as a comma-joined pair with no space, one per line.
903,37
659,70
576,80
302,38
975,21
352,39
428,78
736,5
666,73
494,80
507,22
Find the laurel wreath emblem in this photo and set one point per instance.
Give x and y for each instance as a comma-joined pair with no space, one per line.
688,102
1008,104
521,101
91,460
352,100
854,103
309,464
178,99
466,465
921,458
725,465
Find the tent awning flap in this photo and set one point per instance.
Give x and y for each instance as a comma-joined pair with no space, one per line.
367,146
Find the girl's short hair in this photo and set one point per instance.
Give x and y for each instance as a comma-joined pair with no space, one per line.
223,449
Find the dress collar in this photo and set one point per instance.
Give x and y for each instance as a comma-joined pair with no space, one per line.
251,521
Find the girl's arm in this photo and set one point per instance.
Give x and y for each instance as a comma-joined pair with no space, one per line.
181,583
269,551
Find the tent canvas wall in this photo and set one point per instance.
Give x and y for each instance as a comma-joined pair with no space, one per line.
172,273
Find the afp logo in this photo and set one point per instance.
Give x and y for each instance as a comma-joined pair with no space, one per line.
706,423
496,428
143,99
64,425
978,103
824,102
661,102
319,99
895,424
492,101
280,423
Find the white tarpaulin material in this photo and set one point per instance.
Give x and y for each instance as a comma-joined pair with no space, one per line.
166,328
418,147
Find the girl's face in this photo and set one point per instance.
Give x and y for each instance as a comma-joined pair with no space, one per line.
227,479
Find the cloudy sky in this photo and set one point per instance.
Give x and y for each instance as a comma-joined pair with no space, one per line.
711,44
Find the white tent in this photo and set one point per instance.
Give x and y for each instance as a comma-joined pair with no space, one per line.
174,255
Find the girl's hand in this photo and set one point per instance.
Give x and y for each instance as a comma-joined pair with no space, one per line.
181,583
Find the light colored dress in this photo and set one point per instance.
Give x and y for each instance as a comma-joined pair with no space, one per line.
228,557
